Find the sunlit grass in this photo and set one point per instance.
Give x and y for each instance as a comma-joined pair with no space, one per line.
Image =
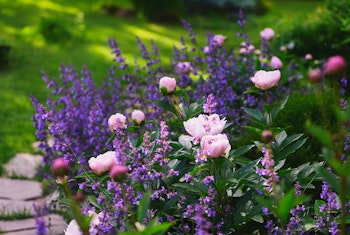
31,53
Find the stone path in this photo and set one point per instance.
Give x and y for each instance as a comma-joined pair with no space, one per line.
19,195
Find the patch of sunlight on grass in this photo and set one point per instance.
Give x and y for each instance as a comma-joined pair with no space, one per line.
101,50
144,34
50,5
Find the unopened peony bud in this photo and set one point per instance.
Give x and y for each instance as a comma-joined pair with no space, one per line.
308,57
266,136
315,76
138,117
60,167
118,173
117,120
276,63
335,65
267,34
167,85
79,196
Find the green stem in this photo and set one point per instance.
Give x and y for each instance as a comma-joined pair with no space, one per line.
78,215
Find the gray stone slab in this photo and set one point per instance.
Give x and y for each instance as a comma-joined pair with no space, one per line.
19,189
17,206
27,226
23,165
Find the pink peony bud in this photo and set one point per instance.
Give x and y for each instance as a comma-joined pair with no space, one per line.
183,67
335,65
167,85
267,34
283,48
215,146
267,136
138,117
102,162
218,40
276,63
315,75
118,173
117,120
308,57
265,80
60,167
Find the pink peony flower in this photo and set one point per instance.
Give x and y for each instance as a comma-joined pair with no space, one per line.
138,116
276,63
315,75
215,146
103,162
117,120
167,85
204,125
218,40
335,65
267,34
183,67
265,80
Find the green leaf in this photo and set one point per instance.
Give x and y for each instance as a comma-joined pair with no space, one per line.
280,137
92,199
290,149
252,90
255,114
330,178
285,205
143,207
321,134
165,105
245,170
157,229
241,150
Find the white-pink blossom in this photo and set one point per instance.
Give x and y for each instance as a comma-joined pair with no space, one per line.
265,80
218,40
215,146
267,34
137,116
204,125
167,84
103,162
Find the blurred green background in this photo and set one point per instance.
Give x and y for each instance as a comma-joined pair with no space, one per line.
41,34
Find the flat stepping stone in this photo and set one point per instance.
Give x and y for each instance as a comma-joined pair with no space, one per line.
9,207
23,165
15,189
27,226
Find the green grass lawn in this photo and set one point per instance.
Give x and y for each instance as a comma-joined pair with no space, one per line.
90,28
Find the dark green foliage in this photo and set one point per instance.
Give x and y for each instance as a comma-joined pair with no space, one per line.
325,32
161,11
4,56
53,30
299,109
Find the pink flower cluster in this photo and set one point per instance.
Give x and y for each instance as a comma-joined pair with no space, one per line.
207,129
